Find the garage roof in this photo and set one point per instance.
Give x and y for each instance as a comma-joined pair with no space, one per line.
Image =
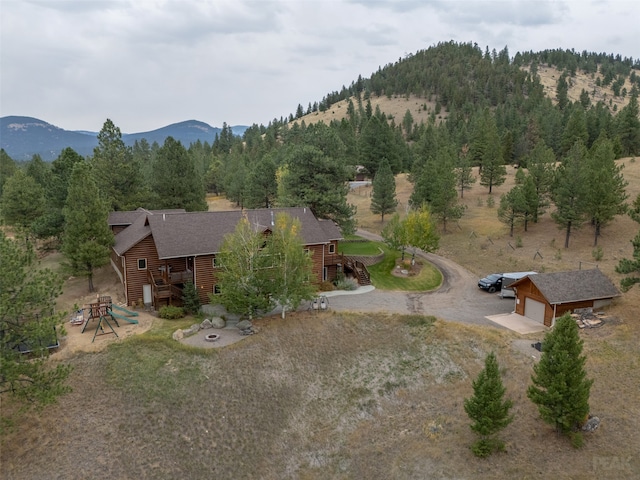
572,286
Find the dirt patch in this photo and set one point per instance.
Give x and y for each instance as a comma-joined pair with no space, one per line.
407,268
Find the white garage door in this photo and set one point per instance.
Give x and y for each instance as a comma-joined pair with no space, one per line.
534,310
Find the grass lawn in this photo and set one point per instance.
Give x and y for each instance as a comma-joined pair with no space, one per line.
383,278
360,248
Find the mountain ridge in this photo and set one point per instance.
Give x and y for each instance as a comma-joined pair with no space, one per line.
22,137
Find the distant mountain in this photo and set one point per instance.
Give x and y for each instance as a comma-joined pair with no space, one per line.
23,137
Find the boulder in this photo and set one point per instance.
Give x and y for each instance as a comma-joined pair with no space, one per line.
178,335
213,310
205,324
192,330
244,324
218,322
592,424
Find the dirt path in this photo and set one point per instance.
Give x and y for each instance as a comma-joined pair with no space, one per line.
458,299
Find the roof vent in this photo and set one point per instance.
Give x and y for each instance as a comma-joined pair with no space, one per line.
272,222
164,217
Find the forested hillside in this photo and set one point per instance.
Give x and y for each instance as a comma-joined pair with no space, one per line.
433,114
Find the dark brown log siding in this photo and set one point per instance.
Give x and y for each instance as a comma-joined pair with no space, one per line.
205,276
137,278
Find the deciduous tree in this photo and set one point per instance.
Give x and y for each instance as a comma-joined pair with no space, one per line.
420,230
291,268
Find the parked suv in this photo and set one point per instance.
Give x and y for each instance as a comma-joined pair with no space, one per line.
491,283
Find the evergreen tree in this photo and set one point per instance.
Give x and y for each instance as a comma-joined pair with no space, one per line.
7,168
575,130
631,266
493,172
377,141
22,202
118,174
262,188
190,298
488,409
39,171
560,386
512,207
319,182
87,237
383,199
27,316
175,183
562,92
628,127
444,200
540,167
464,172
292,266
606,186
569,191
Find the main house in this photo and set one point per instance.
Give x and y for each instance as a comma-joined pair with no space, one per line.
157,251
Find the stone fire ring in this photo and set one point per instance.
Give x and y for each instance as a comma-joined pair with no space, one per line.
212,337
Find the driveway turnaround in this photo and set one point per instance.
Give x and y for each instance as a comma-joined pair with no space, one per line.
458,299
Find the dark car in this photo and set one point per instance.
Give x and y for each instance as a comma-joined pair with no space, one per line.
491,283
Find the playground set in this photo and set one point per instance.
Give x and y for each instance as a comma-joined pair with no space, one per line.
102,310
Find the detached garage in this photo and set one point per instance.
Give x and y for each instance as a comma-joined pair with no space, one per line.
547,296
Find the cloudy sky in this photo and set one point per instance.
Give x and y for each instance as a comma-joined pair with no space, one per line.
148,63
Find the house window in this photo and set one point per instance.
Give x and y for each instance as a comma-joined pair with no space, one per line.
307,251
214,263
142,264
216,289
332,248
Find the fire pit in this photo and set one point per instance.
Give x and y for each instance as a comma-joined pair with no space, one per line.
212,337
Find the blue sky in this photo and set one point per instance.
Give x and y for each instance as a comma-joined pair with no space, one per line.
148,63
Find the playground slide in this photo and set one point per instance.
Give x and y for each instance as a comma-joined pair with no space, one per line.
128,313
122,317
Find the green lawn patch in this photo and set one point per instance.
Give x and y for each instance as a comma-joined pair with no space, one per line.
382,276
359,248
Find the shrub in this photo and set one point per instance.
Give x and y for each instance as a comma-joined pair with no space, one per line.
190,298
348,284
597,253
171,313
491,202
518,242
326,286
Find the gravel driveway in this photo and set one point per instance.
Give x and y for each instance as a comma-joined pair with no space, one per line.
458,299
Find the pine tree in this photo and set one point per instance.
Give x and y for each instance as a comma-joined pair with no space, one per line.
175,182
383,199
27,316
606,186
116,171
569,191
22,202
464,171
560,386
512,207
488,409
87,238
